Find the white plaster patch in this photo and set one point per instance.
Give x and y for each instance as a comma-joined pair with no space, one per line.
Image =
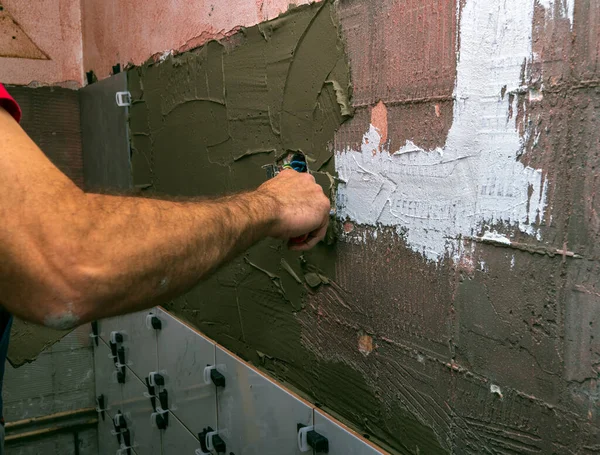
435,196
496,390
495,237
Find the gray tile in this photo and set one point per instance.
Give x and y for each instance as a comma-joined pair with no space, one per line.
342,441
139,343
138,411
183,354
177,439
105,377
257,416
107,442
104,135
106,326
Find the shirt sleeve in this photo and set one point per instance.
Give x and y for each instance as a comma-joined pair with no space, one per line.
8,103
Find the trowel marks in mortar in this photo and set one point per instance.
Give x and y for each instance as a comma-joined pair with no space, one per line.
205,122
435,196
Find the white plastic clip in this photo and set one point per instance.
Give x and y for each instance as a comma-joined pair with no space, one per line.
147,395
113,336
123,450
116,420
302,436
106,408
209,440
207,371
152,378
123,99
149,318
154,415
199,452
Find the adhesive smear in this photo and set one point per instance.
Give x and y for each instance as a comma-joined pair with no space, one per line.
434,196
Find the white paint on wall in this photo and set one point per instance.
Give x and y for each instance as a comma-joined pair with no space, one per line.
566,8
435,196
496,237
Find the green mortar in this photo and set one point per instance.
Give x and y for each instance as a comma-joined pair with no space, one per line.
203,123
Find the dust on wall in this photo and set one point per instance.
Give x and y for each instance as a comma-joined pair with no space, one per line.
465,322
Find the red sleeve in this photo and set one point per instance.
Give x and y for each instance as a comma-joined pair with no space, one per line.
8,103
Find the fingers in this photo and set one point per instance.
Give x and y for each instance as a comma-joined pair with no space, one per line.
313,238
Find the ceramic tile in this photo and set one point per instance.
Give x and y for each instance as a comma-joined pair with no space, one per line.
137,409
257,416
105,378
139,342
106,326
107,442
183,354
177,439
342,441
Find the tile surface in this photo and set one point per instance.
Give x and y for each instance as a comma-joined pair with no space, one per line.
106,381
341,441
183,355
177,439
140,343
256,416
106,326
138,410
107,442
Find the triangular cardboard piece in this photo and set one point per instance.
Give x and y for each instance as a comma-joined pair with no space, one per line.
14,42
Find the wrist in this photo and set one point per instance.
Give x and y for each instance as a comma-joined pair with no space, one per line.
265,212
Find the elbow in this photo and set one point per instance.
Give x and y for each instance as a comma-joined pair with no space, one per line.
53,276
65,318
60,296
73,301
48,309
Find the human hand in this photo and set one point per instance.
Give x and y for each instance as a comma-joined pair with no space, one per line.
301,208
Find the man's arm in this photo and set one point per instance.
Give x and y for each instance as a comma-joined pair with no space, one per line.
67,257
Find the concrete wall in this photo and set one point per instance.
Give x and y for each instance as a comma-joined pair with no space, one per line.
476,290
461,314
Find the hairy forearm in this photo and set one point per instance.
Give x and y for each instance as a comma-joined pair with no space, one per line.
164,247
120,254
67,257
